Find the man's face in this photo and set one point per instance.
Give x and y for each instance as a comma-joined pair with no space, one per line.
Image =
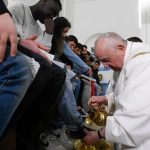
84,51
77,51
49,9
110,57
72,45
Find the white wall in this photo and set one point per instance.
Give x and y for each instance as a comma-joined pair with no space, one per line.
96,16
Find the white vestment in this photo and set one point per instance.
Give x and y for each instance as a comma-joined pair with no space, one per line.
130,123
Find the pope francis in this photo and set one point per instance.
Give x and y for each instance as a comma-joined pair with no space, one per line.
130,123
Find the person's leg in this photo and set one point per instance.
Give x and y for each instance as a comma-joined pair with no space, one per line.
25,117
67,115
42,96
68,112
51,94
68,108
36,88
86,94
15,78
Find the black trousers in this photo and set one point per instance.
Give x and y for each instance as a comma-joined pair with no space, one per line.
39,114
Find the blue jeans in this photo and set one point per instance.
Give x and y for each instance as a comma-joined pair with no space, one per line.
68,113
68,108
15,78
77,83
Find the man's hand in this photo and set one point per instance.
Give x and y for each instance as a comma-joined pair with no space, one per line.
35,47
7,32
92,137
96,101
89,72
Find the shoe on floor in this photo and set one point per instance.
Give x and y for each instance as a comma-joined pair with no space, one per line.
49,142
55,140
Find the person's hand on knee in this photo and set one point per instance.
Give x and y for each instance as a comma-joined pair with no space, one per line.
7,33
37,48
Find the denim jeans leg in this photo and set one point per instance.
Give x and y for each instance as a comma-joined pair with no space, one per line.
68,108
15,78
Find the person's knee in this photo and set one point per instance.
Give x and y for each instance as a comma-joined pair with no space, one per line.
58,72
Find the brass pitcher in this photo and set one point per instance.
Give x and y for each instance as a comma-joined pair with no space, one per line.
98,116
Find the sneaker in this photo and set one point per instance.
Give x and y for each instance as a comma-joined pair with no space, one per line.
63,138
49,142
56,139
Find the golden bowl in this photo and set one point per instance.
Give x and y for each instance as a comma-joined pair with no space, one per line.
82,146
103,145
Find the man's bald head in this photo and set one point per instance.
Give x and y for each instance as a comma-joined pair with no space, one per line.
108,47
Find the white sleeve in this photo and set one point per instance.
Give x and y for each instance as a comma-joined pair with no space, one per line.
111,89
131,121
110,99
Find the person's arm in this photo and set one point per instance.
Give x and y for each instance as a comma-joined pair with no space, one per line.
32,42
34,46
93,137
75,59
110,90
96,101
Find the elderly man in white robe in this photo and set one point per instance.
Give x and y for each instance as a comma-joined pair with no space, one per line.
130,122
